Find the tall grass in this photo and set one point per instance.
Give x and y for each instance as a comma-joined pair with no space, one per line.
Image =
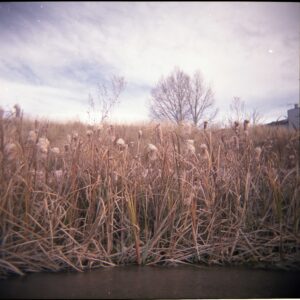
233,200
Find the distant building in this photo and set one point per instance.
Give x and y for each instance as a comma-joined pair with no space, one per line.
293,120
294,117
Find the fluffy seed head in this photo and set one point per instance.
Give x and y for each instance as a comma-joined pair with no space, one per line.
43,145
152,148
11,151
120,142
32,136
257,152
55,150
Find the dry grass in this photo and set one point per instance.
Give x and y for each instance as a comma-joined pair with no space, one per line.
235,199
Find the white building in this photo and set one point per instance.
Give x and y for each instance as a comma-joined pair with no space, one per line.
294,117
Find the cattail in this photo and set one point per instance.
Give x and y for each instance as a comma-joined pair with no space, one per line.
205,125
190,148
17,111
236,142
140,134
89,133
121,144
75,136
204,151
32,136
236,127
145,173
257,153
152,152
55,150
58,174
66,147
97,128
1,112
246,125
159,133
42,146
11,152
69,138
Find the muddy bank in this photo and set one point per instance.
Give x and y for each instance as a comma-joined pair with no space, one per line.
156,282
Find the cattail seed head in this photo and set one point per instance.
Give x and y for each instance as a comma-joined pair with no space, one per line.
190,148
58,174
32,136
152,152
43,145
205,125
11,152
55,150
257,153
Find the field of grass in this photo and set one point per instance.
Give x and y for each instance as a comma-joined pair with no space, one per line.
77,197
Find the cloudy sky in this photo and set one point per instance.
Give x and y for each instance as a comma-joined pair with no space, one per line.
53,54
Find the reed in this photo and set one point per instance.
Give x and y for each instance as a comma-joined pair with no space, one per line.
79,197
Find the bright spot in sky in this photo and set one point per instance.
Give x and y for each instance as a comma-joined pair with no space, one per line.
270,51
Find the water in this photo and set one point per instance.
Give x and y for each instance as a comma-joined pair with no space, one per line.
156,282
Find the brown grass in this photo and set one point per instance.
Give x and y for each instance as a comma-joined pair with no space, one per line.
112,206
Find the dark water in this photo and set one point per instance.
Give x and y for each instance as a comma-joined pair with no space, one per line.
156,282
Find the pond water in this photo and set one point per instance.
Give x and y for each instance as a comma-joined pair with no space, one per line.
156,282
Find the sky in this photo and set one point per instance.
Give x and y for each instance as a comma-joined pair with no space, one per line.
54,54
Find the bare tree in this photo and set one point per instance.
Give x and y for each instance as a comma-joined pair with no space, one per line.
170,97
108,96
178,98
201,100
239,113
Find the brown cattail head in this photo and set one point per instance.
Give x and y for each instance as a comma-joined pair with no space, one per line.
246,125
205,125
1,113
89,133
17,111
67,147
